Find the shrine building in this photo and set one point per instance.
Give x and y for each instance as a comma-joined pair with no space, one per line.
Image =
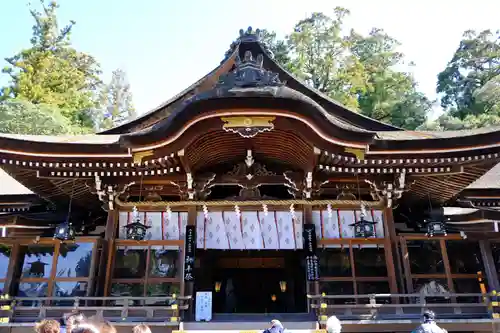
250,196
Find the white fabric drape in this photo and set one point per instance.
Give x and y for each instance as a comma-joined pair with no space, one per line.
337,223
249,231
234,230
163,226
347,217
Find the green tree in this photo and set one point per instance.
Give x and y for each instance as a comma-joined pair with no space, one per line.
390,96
469,83
358,71
116,100
320,57
278,47
475,62
24,117
489,95
51,71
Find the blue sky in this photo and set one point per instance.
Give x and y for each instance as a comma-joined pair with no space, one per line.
166,45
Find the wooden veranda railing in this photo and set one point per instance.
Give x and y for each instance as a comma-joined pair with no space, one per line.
168,310
404,306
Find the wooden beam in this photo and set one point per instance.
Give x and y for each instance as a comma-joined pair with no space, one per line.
447,268
489,265
108,251
184,161
391,251
15,261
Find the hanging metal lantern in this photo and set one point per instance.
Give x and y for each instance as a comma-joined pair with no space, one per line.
65,232
436,228
136,230
364,228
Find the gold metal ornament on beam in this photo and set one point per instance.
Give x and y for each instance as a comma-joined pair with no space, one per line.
140,155
248,127
359,153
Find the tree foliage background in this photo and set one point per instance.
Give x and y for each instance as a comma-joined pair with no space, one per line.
51,81
364,72
56,89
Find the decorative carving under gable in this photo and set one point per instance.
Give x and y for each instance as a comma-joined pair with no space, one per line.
249,36
107,193
190,190
249,169
249,73
248,127
389,191
243,170
306,188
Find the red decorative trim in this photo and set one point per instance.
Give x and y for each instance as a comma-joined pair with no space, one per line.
204,231
225,229
241,229
322,224
179,223
293,230
261,231
277,230
162,225
339,223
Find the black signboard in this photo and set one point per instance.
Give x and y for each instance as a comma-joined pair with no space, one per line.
189,253
310,245
310,242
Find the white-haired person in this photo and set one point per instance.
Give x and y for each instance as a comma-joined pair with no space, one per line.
429,324
333,325
276,327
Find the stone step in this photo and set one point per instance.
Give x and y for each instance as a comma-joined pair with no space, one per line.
253,326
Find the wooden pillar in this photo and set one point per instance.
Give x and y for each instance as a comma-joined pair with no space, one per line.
489,265
15,261
447,268
406,265
313,286
107,253
187,287
393,256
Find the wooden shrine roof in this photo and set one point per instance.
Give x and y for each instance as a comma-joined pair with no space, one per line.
204,126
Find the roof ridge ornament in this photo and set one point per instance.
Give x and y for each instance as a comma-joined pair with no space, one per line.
249,72
248,36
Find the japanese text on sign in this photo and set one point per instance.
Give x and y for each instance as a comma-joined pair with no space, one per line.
189,256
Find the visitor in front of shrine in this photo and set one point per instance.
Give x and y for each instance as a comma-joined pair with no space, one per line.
48,326
141,329
333,325
71,320
276,327
429,324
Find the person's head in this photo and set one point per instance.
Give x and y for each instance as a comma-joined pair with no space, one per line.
276,323
333,325
85,328
141,329
48,326
72,319
429,316
107,327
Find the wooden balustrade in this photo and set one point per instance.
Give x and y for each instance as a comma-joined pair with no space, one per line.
168,310
402,306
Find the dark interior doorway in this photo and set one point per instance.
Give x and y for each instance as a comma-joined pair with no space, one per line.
253,281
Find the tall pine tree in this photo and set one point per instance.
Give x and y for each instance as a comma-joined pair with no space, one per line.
51,71
116,101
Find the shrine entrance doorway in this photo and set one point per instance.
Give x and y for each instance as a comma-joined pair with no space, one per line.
253,281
